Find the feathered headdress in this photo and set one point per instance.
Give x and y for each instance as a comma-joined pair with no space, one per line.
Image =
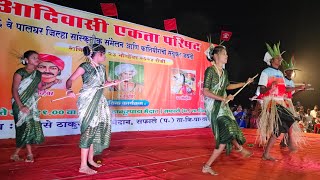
289,66
272,53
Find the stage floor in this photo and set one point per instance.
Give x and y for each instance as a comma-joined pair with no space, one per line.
178,154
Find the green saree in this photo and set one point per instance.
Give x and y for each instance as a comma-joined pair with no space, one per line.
223,123
94,114
28,126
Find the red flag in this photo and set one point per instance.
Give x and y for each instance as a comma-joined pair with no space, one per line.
109,9
225,35
170,24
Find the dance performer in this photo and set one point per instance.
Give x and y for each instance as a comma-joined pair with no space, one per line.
94,113
225,128
288,69
25,87
275,117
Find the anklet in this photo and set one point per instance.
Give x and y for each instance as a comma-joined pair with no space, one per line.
240,149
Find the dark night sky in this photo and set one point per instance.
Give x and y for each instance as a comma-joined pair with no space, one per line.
294,23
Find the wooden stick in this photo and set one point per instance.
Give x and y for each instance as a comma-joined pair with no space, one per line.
24,115
242,88
301,84
58,99
45,93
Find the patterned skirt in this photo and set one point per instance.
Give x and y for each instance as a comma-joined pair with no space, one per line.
30,132
228,131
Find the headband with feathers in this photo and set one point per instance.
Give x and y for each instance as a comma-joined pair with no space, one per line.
272,53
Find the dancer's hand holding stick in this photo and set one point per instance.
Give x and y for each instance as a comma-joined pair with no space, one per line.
250,80
26,110
107,84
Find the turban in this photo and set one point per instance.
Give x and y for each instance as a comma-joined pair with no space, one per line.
267,58
53,59
124,68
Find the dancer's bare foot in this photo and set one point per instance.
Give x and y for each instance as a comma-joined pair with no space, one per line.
94,164
245,153
29,158
292,148
16,158
268,158
87,170
207,170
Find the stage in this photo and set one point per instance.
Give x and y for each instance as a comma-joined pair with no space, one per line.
154,155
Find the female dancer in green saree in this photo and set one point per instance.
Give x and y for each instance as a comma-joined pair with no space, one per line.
25,86
225,128
94,114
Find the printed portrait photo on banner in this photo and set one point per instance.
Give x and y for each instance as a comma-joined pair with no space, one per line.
122,71
183,82
55,68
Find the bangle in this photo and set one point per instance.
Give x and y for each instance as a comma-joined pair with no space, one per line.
21,106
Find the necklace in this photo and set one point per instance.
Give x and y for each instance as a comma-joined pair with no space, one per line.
219,70
220,76
94,64
97,68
